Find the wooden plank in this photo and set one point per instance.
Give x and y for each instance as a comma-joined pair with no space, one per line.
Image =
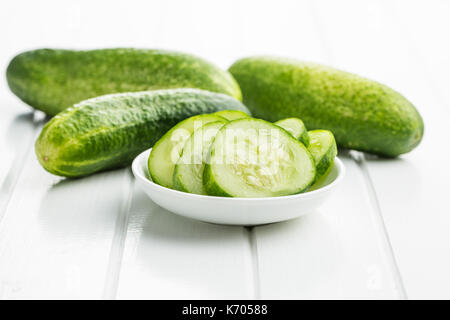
17,130
333,253
170,257
56,235
373,43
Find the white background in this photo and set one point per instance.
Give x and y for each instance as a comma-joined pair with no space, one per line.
385,233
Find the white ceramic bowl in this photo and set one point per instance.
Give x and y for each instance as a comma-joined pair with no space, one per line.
236,211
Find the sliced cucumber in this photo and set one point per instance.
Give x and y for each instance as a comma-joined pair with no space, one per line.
232,114
296,127
188,174
255,158
323,148
167,150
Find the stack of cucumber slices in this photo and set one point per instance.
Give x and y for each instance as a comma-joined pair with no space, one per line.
230,154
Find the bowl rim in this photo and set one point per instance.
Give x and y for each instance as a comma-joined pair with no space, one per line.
138,175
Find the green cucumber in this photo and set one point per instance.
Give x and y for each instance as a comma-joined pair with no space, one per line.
110,131
296,127
232,114
53,80
188,174
255,158
167,151
323,149
362,114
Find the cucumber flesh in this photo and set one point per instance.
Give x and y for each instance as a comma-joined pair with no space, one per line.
323,149
232,114
255,158
188,174
296,127
167,150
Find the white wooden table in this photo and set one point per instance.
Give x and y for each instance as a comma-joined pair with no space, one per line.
384,234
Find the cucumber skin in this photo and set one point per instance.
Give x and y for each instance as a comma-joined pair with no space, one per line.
177,184
52,80
362,114
152,169
110,131
177,181
235,114
304,137
326,162
211,186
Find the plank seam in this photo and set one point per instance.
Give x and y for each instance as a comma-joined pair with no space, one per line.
360,160
118,243
255,262
12,177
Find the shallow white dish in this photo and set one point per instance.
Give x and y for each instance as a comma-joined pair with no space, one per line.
236,211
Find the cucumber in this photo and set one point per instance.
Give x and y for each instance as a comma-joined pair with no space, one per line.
53,80
255,158
110,131
232,114
188,174
323,149
362,114
296,127
167,151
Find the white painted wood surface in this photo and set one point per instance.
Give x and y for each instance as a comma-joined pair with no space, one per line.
384,234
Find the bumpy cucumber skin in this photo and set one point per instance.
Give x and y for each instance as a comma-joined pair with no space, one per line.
53,80
304,137
109,131
326,162
363,114
213,188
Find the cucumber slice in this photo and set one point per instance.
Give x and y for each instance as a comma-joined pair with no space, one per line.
296,127
255,158
323,148
167,150
188,174
232,114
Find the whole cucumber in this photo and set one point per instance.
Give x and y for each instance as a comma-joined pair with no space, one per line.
53,80
109,131
362,114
